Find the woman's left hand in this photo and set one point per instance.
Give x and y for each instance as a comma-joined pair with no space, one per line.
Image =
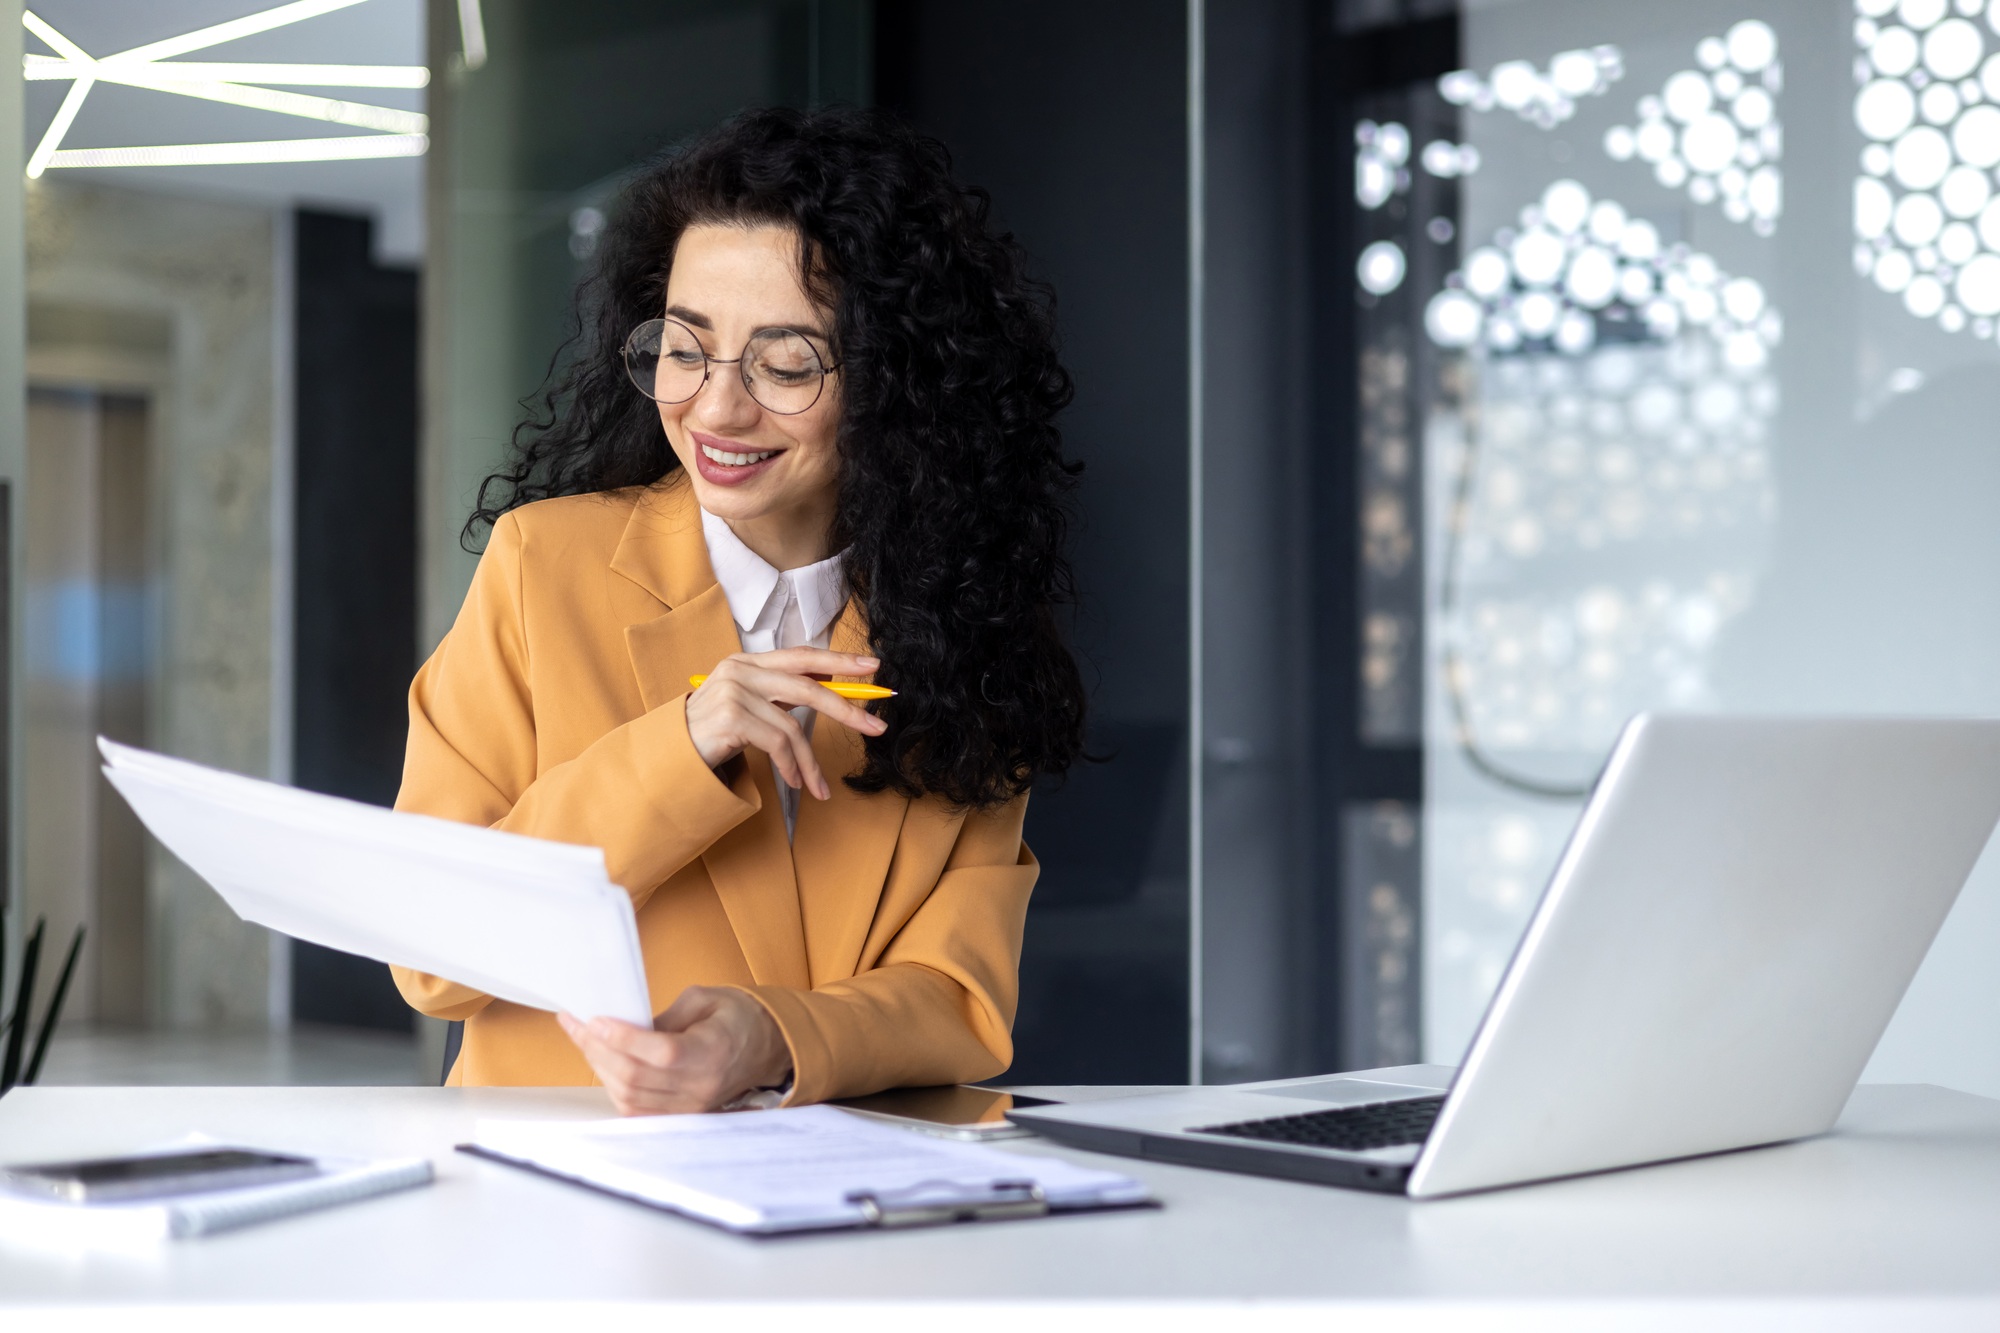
711,1046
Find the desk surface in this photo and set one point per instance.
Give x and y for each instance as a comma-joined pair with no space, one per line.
1901,1204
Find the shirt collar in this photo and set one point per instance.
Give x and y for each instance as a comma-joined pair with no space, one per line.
749,581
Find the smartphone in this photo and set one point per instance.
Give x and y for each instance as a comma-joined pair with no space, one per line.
154,1175
953,1112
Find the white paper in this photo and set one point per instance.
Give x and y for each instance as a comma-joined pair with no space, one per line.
783,1170
528,920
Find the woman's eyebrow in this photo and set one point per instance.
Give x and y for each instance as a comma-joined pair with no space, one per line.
702,322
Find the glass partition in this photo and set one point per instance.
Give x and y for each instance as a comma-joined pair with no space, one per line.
527,151
1693,313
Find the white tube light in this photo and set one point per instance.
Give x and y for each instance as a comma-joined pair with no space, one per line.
38,161
472,33
346,148
282,16
45,68
360,115
304,76
327,76
61,45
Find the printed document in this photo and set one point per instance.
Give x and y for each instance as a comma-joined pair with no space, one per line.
794,1169
528,920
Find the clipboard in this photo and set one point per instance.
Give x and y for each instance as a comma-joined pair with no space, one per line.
800,1169
943,1202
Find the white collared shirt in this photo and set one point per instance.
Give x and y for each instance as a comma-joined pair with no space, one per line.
773,609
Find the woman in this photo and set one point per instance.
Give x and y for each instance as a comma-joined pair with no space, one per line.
808,433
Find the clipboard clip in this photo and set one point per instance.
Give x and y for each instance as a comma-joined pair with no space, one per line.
933,1203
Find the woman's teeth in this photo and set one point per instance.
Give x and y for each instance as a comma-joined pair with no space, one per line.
735,460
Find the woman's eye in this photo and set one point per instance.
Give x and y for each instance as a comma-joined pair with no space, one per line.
786,374
685,360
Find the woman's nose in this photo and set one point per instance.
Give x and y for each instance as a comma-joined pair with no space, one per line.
724,402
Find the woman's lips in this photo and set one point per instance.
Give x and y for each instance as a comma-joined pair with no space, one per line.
726,463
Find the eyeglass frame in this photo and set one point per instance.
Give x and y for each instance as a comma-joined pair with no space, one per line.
708,363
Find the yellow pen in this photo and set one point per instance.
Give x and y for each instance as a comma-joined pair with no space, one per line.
845,689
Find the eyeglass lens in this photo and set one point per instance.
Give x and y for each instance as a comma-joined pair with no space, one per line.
781,369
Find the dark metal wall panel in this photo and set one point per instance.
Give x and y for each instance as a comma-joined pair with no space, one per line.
1259,682
1371,64
1074,116
355,627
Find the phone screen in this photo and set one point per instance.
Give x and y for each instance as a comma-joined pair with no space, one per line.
155,1175
956,1106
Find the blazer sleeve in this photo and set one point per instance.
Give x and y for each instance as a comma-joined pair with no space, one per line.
472,758
938,1006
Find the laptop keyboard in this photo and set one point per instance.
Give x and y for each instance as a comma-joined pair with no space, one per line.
1347,1128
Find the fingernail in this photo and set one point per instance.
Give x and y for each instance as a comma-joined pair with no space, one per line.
870,662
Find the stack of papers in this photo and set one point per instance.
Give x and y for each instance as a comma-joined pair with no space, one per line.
797,1169
49,1223
536,922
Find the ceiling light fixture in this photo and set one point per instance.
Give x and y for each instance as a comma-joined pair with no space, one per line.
398,133
345,148
45,68
472,33
361,115
249,25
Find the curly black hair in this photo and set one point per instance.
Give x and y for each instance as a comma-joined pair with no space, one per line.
953,490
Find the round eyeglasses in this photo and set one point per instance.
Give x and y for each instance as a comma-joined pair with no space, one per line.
781,368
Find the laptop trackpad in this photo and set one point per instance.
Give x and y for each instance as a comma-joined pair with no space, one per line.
1348,1091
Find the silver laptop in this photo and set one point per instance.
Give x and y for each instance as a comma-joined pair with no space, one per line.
1738,912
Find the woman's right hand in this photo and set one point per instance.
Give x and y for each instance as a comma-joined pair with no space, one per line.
745,703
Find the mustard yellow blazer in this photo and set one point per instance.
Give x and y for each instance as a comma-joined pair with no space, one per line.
885,939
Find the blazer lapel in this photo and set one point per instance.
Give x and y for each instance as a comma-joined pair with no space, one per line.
686,641
751,866
663,552
843,846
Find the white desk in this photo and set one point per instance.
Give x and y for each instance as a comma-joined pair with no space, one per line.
1892,1221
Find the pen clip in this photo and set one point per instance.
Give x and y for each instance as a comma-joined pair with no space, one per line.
932,1203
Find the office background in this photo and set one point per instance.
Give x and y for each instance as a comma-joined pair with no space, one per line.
1451,385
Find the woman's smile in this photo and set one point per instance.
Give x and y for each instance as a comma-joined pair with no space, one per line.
726,462
772,476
